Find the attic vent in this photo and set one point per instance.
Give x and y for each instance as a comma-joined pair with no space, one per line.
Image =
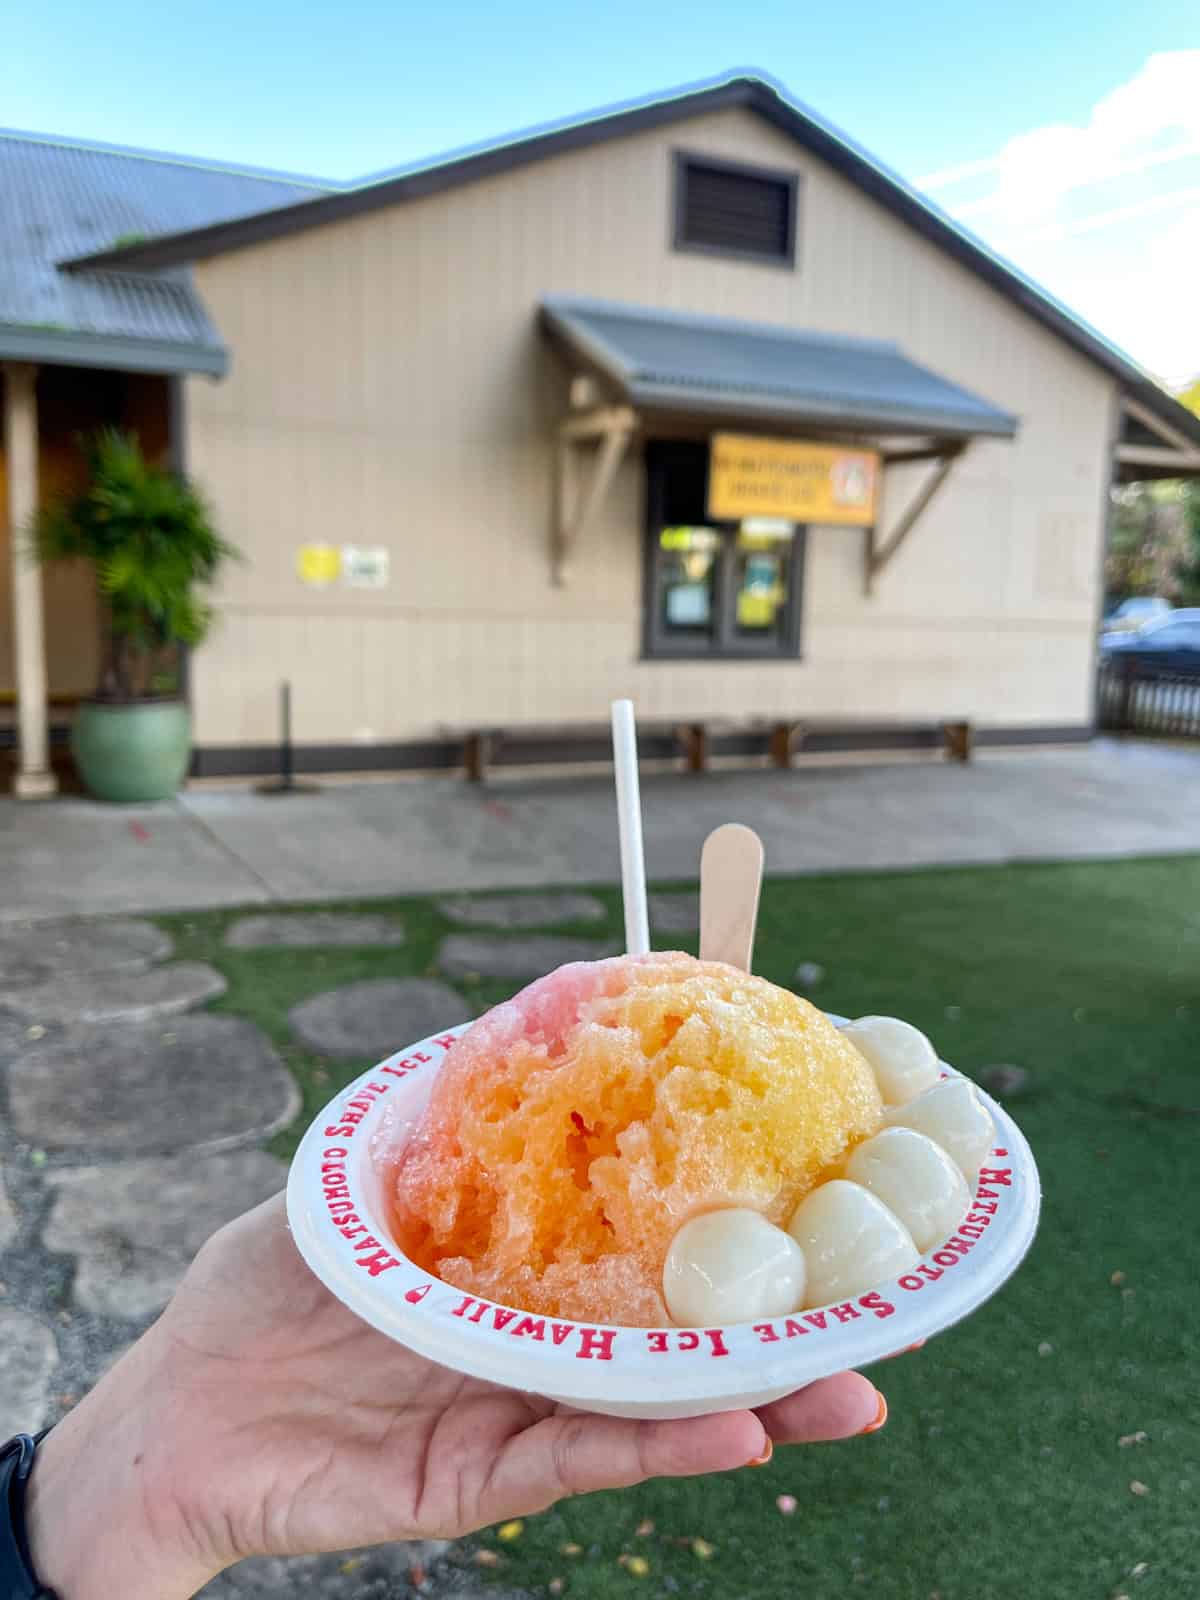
729,210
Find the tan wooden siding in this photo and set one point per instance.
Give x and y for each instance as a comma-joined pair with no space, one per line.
389,388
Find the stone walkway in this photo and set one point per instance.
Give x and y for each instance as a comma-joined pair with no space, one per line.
130,1132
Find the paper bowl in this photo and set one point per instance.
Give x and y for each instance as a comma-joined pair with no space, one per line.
339,1218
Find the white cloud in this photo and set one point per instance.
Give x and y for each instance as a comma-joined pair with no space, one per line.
1140,293
1071,206
1119,169
1152,118
1176,200
945,176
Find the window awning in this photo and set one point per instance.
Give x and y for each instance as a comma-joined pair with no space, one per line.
682,363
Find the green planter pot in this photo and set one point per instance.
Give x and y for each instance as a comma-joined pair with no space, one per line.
132,752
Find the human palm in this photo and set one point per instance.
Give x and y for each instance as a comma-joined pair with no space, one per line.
271,1420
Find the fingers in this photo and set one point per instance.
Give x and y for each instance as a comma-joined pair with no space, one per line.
835,1408
578,1454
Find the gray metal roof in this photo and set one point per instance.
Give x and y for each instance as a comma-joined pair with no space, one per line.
59,199
676,361
78,205
745,88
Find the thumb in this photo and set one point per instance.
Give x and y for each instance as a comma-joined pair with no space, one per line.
577,1454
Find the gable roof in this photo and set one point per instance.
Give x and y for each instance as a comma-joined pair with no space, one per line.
63,199
749,90
205,217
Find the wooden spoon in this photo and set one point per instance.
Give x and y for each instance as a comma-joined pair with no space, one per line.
731,867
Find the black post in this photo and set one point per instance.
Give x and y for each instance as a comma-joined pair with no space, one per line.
286,782
285,736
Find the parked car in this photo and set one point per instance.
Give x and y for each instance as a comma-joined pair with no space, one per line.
1139,611
1170,645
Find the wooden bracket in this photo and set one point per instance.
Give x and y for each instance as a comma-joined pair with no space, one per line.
1159,457
1155,425
1174,449
880,551
575,508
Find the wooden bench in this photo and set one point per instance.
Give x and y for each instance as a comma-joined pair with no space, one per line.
576,741
485,747
785,739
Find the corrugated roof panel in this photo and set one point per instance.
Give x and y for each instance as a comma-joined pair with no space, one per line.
665,360
62,200
133,305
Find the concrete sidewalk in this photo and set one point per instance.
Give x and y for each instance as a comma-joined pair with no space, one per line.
233,847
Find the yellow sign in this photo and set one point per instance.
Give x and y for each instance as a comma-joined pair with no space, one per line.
318,564
750,477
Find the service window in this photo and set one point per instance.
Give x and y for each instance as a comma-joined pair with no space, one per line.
714,589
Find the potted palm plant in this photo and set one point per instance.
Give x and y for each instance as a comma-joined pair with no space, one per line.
151,541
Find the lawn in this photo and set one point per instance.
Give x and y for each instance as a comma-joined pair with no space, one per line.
1050,1446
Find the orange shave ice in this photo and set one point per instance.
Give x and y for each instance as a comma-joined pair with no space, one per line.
574,1129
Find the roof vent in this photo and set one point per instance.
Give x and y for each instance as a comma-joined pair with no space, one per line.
731,210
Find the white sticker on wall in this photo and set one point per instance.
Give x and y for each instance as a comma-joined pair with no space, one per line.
365,566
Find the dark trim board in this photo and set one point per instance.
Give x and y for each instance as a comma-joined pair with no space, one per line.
446,755
58,734
263,760
1108,513
1072,733
177,424
756,93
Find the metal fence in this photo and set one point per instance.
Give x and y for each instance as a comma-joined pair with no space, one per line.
1138,699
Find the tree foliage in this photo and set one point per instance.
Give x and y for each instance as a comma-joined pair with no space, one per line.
150,539
1146,540
1154,543
1187,571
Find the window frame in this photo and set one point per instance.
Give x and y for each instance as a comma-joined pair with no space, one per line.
683,159
658,644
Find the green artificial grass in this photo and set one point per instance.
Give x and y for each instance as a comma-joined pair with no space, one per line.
1002,1470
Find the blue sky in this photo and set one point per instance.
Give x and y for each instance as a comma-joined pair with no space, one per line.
1068,135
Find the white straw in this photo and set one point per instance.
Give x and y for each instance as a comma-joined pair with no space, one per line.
629,819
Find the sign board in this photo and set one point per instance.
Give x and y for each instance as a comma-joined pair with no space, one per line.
752,477
365,566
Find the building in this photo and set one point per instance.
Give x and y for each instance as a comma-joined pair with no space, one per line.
690,400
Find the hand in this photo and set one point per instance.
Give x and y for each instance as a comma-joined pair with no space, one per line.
260,1417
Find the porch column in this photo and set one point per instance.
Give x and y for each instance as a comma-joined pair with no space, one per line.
34,779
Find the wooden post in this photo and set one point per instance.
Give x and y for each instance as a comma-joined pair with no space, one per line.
781,744
694,737
34,779
956,741
477,750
